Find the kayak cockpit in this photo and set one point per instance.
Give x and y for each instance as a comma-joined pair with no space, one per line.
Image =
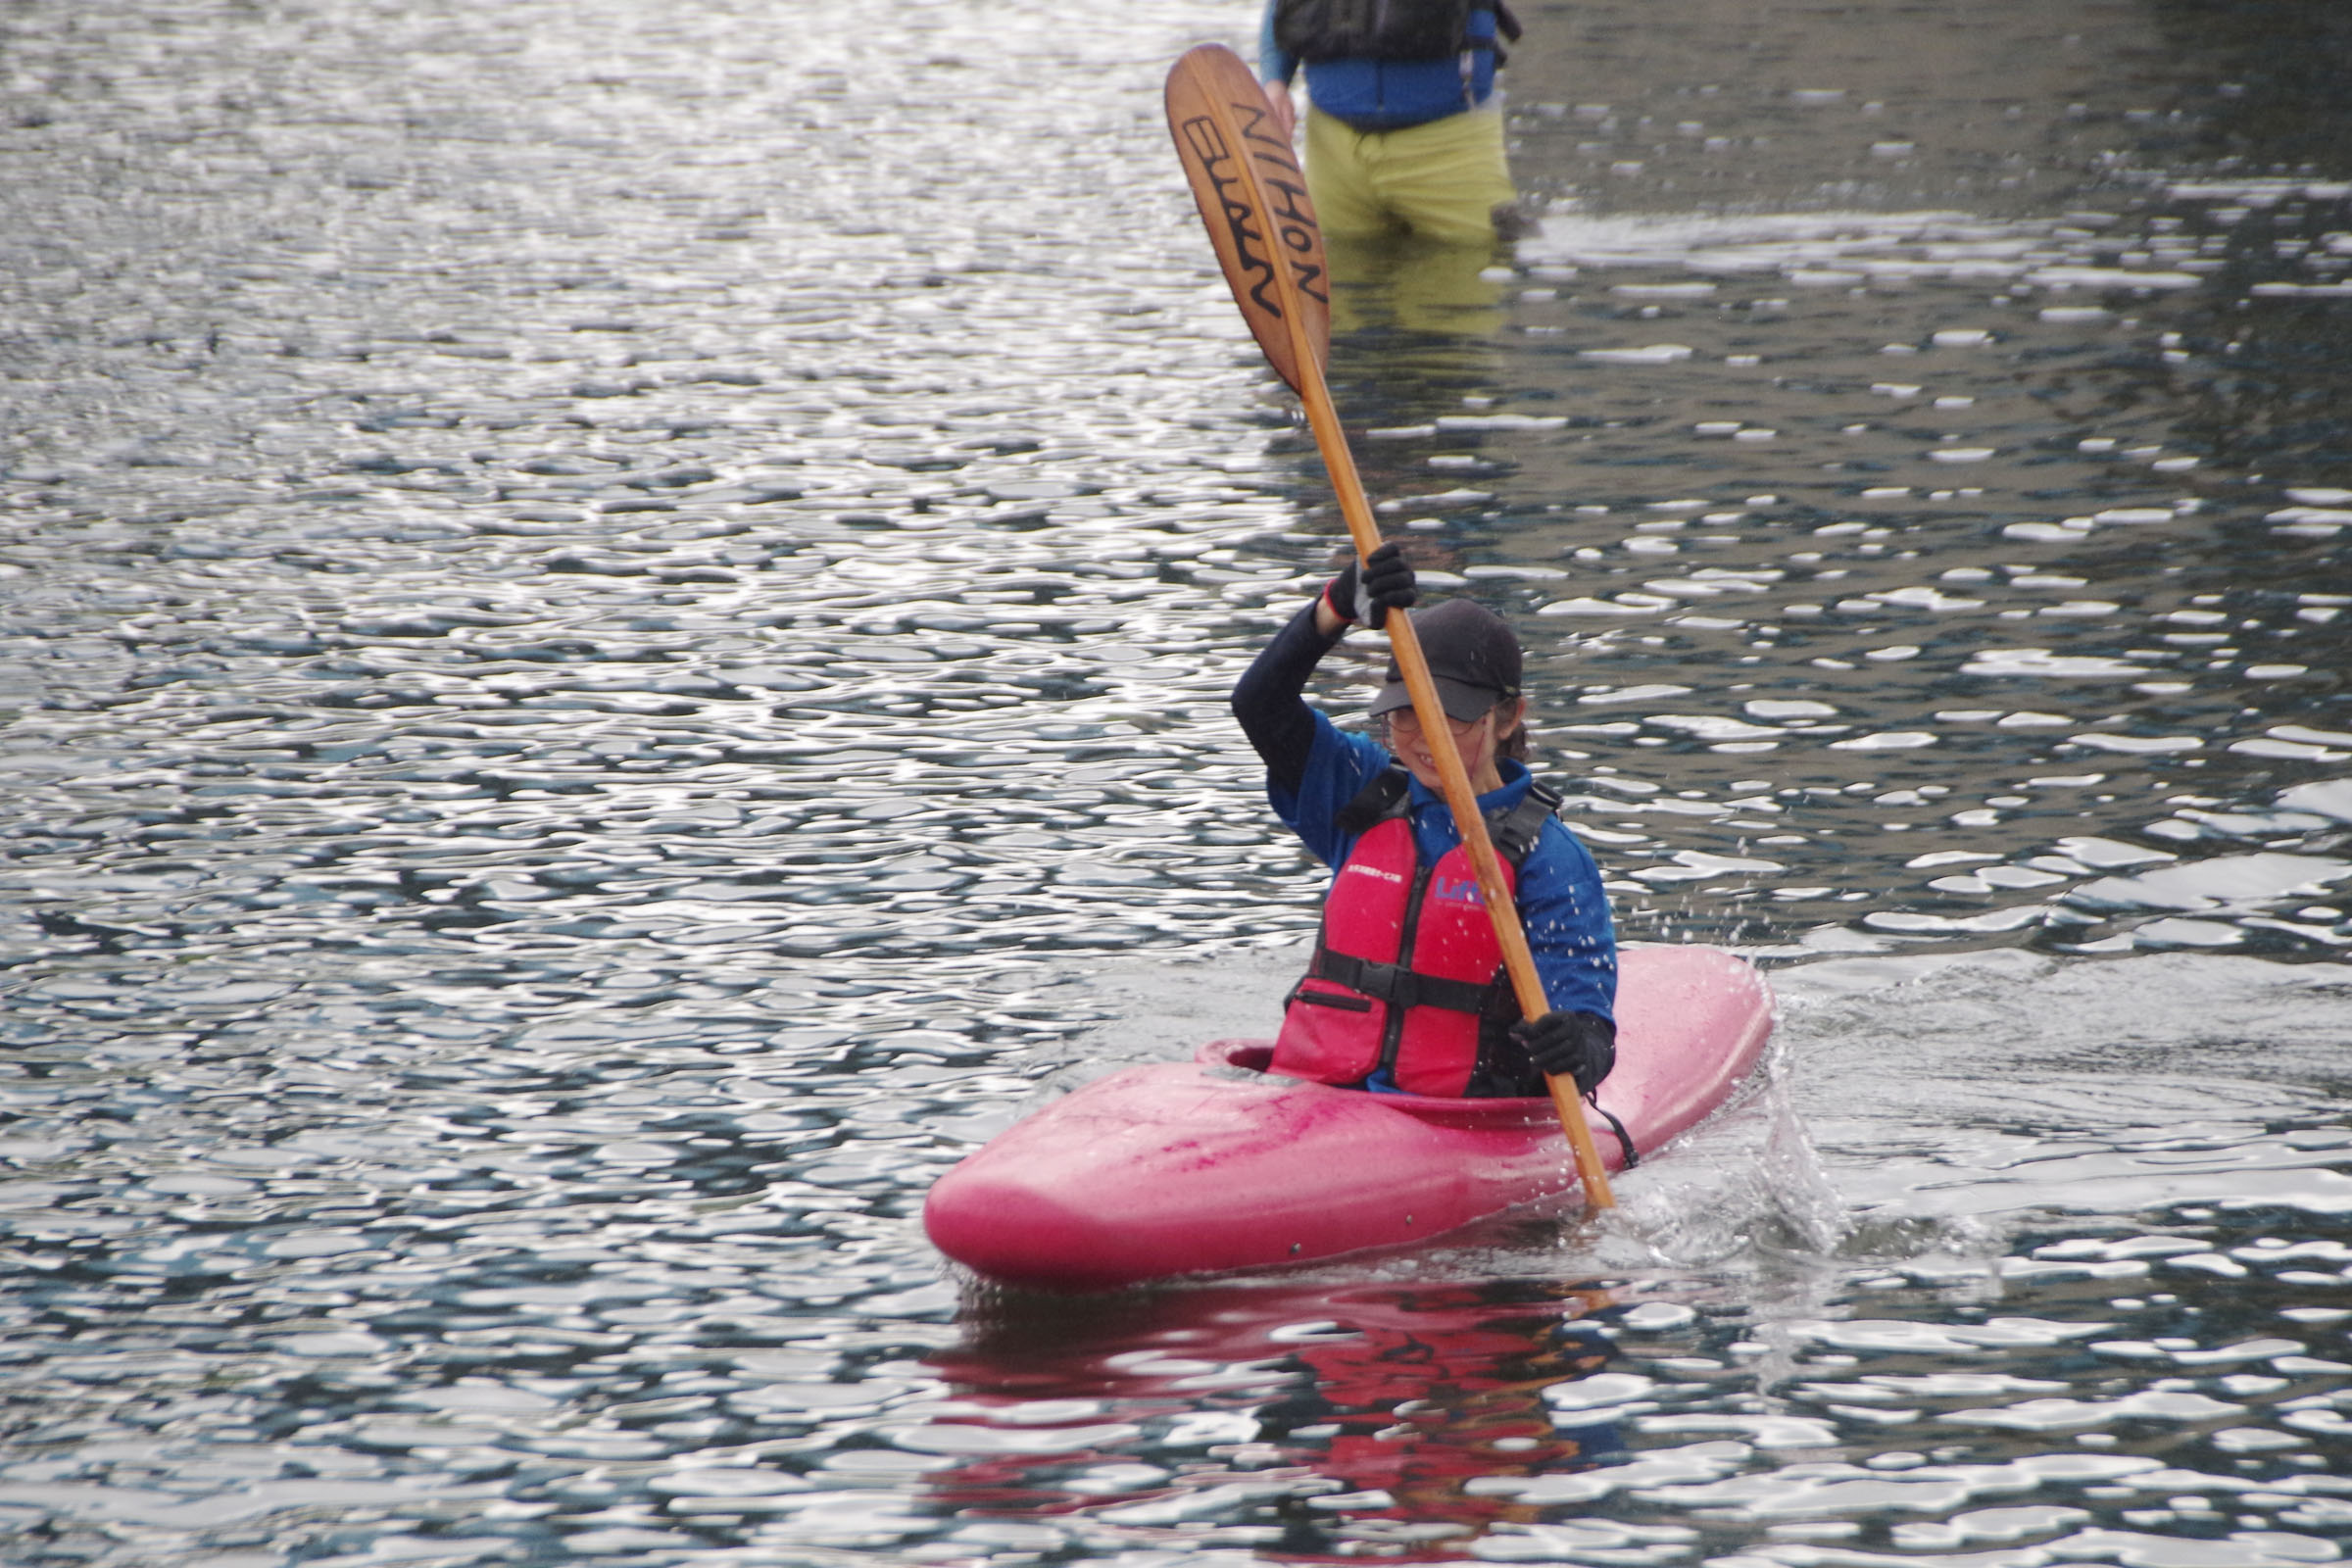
1254,1058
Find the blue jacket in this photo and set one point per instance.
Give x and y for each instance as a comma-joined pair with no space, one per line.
1388,94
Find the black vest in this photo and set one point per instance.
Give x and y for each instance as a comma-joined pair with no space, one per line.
1383,29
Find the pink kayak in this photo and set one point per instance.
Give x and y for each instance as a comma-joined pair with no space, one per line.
1216,1164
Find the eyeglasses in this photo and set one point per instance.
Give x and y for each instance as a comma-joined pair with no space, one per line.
1408,722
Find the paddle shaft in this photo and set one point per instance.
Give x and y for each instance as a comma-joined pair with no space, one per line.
1453,779
1269,252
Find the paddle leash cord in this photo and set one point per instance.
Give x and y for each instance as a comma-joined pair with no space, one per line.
1625,1139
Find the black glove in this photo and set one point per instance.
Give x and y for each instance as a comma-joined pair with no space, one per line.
1575,1045
1365,596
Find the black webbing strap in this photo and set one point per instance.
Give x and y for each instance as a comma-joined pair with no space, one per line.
1625,1140
1389,794
1397,985
1515,831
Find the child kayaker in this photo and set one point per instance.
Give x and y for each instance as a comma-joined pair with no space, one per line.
1407,991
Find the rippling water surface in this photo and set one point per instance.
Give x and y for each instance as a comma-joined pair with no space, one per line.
613,627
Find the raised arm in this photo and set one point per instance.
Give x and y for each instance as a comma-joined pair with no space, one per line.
1269,699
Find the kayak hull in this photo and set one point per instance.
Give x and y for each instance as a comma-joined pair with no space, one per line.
1215,1165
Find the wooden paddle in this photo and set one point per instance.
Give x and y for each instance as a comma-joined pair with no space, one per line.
1253,199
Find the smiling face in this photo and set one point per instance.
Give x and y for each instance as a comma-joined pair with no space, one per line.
1477,741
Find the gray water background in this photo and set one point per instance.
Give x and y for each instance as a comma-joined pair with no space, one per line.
613,623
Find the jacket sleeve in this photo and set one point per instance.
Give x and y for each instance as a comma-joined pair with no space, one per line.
1274,62
1270,701
1480,34
1565,913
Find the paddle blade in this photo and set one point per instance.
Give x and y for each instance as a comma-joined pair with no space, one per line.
1253,199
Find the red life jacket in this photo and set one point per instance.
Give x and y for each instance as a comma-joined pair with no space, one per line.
1407,973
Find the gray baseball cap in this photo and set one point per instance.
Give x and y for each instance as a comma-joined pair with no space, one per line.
1472,660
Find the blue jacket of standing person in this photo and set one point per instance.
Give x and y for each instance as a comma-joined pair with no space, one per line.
1368,94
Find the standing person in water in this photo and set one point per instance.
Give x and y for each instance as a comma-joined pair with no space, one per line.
1405,120
1407,991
